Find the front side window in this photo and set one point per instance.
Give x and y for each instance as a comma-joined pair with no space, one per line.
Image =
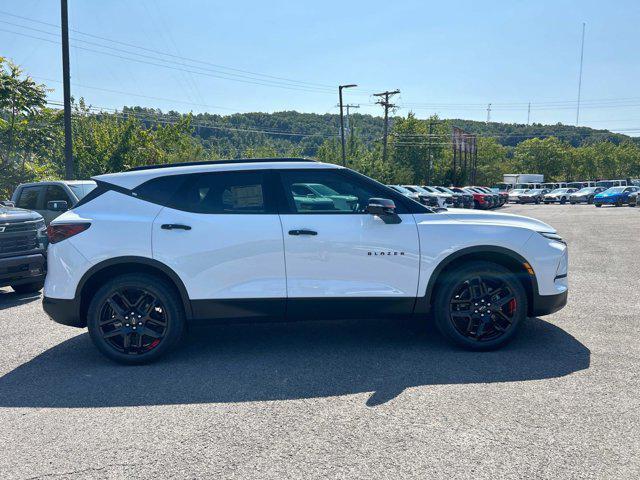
29,197
55,193
222,192
332,191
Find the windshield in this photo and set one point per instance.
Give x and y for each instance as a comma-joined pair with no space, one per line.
534,191
445,190
587,190
82,189
615,190
560,190
401,189
518,190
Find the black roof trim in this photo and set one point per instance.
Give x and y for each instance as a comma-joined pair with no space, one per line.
219,162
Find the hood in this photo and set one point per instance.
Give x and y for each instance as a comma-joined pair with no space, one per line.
495,218
11,214
609,194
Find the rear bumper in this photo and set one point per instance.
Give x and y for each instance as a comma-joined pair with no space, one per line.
22,269
63,311
548,304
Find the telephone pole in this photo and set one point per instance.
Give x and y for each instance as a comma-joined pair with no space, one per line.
580,75
346,120
528,113
387,105
344,154
66,83
488,113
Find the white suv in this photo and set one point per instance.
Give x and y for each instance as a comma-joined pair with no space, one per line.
152,248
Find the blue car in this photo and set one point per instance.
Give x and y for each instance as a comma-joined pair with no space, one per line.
614,196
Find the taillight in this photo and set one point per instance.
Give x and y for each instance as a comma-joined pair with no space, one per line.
61,231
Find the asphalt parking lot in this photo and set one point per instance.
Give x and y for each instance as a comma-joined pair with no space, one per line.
345,399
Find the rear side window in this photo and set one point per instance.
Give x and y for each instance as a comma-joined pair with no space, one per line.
29,197
224,192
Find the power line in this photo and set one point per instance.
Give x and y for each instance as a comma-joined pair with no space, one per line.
168,54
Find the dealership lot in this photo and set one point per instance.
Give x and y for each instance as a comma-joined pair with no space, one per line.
345,399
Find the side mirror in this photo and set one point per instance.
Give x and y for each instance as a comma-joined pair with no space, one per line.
58,206
7,203
381,207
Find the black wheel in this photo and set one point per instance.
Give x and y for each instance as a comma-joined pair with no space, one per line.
546,203
598,205
479,306
537,201
563,200
590,200
135,318
33,287
619,202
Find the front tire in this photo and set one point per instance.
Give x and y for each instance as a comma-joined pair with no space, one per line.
479,306
135,318
33,287
563,200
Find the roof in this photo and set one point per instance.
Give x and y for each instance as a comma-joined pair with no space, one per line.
57,182
134,177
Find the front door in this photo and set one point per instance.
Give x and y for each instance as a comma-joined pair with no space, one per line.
342,261
222,236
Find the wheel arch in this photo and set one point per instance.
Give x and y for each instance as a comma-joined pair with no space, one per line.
97,274
491,253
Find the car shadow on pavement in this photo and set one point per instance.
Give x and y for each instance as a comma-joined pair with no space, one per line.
8,298
280,361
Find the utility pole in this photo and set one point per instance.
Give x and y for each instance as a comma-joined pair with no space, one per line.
430,151
580,75
66,82
385,103
528,113
346,121
344,154
488,113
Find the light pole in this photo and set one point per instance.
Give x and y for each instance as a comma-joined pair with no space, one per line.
344,154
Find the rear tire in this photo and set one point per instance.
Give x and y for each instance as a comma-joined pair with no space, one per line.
598,205
563,200
135,318
472,288
25,288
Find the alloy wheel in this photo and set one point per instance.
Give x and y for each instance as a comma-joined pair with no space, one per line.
483,308
133,321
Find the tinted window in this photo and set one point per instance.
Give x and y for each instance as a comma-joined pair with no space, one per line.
332,191
228,192
56,193
29,197
160,190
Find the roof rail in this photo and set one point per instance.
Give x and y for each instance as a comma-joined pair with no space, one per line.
219,162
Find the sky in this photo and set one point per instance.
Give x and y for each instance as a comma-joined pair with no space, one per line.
446,58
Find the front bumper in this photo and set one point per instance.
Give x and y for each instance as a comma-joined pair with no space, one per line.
22,269
548,304
63,311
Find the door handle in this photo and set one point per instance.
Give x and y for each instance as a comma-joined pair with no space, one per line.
174,226
302,232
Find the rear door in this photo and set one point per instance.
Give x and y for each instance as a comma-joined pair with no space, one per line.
221,234
342,261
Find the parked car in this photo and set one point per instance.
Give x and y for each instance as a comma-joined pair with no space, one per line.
460,199
514,195
585,195
23,242
614,196
497,198
480,200
445,200
135,261
492,198
633,200
50,199
424,198
560,195
533,196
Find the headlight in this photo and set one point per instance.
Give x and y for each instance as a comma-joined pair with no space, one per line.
553,236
